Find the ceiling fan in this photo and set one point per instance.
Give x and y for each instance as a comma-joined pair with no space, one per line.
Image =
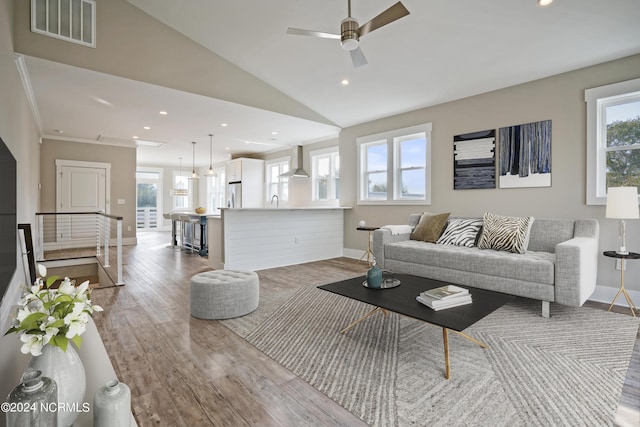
351,31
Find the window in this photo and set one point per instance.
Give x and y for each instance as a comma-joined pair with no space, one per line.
148,197
216,190
613,138
325,174
70,20
182,182
277,185
394,167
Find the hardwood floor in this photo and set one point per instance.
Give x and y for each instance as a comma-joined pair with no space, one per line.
184,371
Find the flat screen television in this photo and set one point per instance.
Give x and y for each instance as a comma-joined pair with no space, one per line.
8,225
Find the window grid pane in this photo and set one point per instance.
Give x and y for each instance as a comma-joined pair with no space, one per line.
394,166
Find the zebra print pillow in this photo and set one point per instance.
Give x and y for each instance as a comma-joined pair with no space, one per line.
461,232
505,233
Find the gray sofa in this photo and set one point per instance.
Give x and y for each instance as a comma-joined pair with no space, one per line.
560,264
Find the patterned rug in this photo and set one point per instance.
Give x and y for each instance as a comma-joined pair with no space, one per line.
389,370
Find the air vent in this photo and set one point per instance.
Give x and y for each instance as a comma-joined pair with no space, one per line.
70,20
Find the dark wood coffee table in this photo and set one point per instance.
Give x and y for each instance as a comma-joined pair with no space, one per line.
402,300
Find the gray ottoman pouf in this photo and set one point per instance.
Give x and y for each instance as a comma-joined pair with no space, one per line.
223,294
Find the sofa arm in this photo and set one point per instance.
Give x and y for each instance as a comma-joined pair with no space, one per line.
577,265
381,237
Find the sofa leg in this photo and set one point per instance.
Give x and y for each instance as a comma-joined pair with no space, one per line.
545,309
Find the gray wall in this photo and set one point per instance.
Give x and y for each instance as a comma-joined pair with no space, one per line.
559,98
134,45
123,176
18,131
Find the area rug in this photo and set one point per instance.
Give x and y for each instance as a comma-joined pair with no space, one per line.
389,370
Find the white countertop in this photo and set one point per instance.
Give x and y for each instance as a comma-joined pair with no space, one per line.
289,208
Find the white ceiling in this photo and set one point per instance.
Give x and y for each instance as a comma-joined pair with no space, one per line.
444,50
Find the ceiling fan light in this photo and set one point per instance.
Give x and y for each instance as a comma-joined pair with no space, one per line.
349,33
349,44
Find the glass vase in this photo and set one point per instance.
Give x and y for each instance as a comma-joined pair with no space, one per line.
33,403
67,370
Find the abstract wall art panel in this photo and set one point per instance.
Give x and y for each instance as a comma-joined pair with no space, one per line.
474,160
525,155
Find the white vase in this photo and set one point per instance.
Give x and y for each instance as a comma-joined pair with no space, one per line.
112,405
67,370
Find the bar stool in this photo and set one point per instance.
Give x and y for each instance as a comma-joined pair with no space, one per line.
173,229
187,221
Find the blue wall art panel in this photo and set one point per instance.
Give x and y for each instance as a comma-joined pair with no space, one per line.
525,155
474,160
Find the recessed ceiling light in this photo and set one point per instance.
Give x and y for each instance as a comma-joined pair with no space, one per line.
224,125
274,133
164,113
135,137
147,128
142,142
344,82
544,2
226,148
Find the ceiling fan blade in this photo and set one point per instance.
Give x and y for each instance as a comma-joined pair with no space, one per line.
357,57
300,32
395,12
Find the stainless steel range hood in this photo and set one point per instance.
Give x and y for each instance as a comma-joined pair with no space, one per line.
296,166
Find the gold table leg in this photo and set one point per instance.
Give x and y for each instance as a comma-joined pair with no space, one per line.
363,318
368,253
623,291
445,339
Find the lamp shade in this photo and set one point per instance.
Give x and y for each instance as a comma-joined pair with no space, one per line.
622,203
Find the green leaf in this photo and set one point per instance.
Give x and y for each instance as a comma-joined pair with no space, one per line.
31,321
60,341
12,330
51,280
77,340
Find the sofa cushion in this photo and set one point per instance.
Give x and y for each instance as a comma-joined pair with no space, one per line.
531,266
505,233
430,227
460,232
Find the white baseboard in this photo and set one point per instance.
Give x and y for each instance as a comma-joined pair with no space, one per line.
606,294
352,253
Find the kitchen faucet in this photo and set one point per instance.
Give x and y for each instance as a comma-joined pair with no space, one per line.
275,196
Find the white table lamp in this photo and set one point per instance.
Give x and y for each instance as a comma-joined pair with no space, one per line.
622,203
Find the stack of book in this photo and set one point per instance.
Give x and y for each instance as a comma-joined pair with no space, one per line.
445,297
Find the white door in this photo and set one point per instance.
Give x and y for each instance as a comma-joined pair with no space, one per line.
82,187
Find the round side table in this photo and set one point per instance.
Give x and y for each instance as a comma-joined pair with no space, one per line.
368,253
623,291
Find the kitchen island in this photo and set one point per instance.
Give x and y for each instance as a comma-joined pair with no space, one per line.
259,238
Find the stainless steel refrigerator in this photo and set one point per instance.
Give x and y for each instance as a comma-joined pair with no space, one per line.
234,195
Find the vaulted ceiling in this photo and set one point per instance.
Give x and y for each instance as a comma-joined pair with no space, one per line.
442,51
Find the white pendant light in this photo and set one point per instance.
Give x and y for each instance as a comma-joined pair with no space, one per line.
194,175
210,172
179,190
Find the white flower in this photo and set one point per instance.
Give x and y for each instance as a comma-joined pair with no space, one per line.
42,270
67,288
76,320
32,344
23,313
49,331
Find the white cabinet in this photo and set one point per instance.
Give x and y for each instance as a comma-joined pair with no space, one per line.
234,170
250,173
